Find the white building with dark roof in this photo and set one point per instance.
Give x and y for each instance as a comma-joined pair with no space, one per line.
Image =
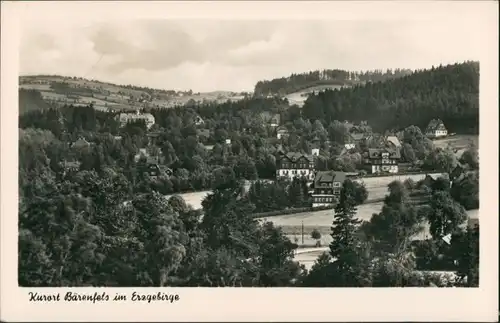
125,118
293,164
436,129
383,160
327,187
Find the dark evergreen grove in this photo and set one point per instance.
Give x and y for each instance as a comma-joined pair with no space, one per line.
450,93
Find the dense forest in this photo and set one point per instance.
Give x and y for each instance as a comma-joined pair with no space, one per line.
31,100
297,82
450,93
90,215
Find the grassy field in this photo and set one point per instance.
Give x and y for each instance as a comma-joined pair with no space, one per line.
377,186
322,221
457,141
300,97
103,90
39,87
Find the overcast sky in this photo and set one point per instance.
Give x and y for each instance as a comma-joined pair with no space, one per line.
208,55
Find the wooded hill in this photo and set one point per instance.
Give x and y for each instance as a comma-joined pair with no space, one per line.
302,81
450,93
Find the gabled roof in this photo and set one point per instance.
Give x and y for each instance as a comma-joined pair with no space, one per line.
329,177
435,124
293,156
81,142
394,140
377,153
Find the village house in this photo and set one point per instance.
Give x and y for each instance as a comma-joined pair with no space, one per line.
436,129
199,121
273,120
393,141
209,147
81,143
150,164
373,140
353,139
153,138
382,160
69,167
154,170
281,132
327,187
295,164
125,118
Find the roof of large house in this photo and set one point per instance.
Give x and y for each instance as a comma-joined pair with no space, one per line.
126,116
357,136
376,153
81,142
329,176
434,124
394,140
293,156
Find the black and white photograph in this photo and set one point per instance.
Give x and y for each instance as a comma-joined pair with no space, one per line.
312,153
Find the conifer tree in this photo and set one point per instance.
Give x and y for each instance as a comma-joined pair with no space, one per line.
346,248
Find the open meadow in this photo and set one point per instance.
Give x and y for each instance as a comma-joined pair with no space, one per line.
300,97
457,141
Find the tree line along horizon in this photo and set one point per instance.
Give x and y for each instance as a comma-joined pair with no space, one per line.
75,229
